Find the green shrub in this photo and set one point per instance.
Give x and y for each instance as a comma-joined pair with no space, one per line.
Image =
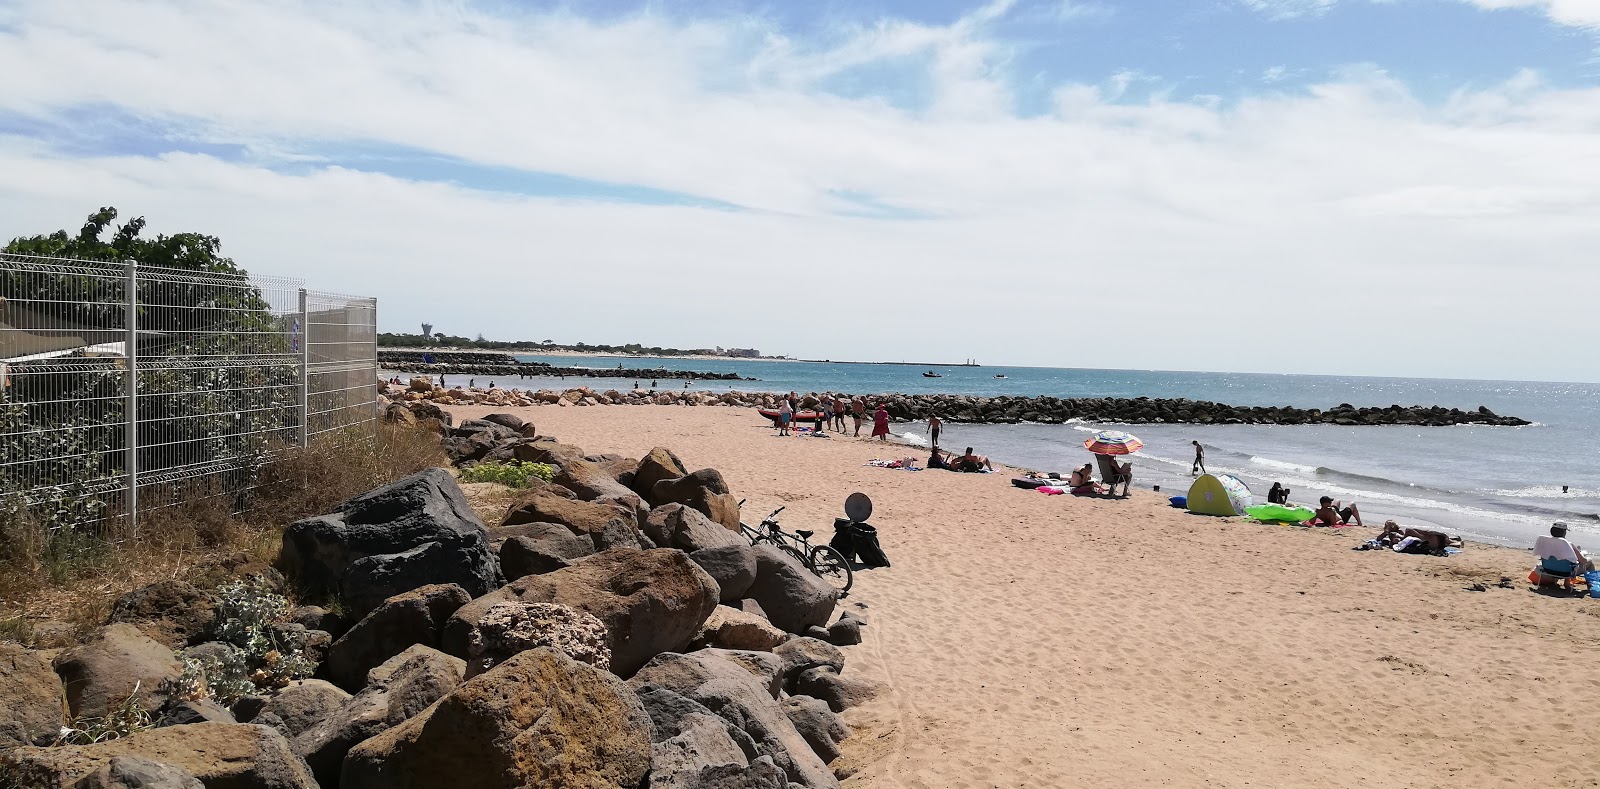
263,656
516,474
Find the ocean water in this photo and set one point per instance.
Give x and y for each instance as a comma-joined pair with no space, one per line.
1499,484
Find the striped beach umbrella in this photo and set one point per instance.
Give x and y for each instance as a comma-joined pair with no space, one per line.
1113,442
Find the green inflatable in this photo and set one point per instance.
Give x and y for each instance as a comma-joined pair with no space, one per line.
1279,513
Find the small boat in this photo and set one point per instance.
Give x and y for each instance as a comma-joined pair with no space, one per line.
931,374
999,376
800,417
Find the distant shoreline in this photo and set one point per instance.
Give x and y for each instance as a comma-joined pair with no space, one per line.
687,357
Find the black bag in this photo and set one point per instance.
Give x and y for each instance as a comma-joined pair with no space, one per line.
843,539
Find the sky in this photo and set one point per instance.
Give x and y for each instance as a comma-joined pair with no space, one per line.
1358,187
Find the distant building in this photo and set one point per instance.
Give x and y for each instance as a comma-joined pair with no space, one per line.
745,353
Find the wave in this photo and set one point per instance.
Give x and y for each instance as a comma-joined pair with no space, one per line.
913,439
1279,464
1546,492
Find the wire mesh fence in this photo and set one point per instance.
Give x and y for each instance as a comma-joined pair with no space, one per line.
124,388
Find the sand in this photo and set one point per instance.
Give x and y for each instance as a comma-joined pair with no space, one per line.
1051,641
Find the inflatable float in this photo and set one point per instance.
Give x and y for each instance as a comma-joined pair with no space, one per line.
1277,513
800,417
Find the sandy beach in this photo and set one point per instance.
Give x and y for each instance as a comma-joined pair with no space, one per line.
1049,641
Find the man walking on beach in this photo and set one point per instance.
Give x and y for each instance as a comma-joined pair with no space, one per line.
1199,460
858,408
934,426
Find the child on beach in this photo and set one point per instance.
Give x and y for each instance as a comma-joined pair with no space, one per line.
785,413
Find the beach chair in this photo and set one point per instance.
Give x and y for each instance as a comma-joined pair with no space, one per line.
1111,475
1556,572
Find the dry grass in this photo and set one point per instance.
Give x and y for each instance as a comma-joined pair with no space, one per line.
73,577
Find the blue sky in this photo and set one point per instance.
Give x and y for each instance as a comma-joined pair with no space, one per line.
974,156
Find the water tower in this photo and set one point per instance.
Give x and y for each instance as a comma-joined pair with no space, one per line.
427,331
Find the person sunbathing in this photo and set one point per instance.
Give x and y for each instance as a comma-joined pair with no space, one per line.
972,463
1331,513
1081,483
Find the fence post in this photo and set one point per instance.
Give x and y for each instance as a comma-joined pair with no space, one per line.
374,376
131,354
305,372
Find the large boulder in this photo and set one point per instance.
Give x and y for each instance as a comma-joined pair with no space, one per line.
688,530
417,531
839,691
396,691
515,423
702,490
730,628
650,601
32,702
607,526
740,698
174,613
589,480
540,719
732,566
702,756
220,755
137,772
793,598
545,451
507,629
304,704
414,617
800,654
115,663
821,727
566,542
661,464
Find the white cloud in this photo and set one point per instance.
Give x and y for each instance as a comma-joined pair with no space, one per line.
1289,9
1347,228
1577,13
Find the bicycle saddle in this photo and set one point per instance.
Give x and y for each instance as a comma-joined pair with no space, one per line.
804,534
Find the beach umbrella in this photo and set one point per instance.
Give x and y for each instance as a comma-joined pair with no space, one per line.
1113,442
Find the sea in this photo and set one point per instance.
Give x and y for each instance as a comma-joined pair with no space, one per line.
1503,485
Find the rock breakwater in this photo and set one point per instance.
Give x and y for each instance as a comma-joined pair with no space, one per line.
982,410
500,364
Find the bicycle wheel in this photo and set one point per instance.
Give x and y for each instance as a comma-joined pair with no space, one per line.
831,566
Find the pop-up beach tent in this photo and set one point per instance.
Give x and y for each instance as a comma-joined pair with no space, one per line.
1219,494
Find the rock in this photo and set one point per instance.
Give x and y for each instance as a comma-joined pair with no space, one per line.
421,384
791,595
247,708
605,525
245,568
187,713
738,697
507,629
410,533
424,411
840,692
730,628
171,612
678,526
846,631
702,490
569,543
766,667
554,453
511,422
733,567
750,607
315,644
315,617
304,704
703,756
32,702
220,755
589,480
821,727
618,468
540,719
137,772
415,617
524,556
650,602
398,690
655,467
102,673
399,414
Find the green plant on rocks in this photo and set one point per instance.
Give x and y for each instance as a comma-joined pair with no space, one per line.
516,474
263,656
129,718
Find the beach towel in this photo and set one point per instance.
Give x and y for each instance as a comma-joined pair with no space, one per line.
1051,491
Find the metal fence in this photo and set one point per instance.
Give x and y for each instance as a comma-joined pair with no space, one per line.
124,388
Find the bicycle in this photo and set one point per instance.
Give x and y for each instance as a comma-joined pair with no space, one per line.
822,560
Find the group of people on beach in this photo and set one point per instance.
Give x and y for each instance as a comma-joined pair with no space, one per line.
831,412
